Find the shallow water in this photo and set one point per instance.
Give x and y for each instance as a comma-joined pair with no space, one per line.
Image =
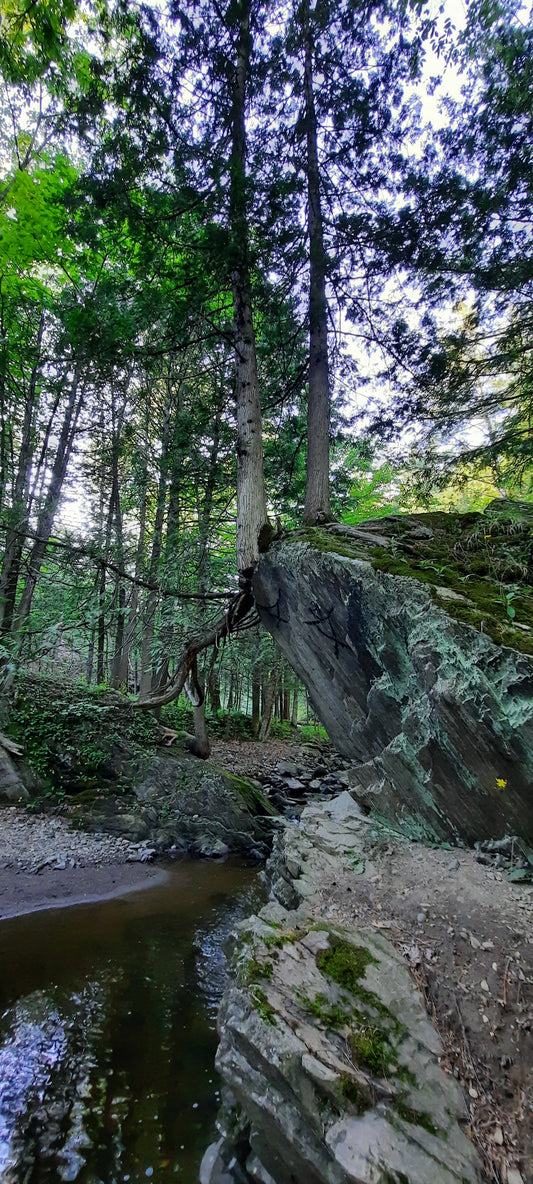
107,1031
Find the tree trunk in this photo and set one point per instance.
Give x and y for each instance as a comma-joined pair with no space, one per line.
213,687
231,691
269,699
157,548
139,560
45,521
251,495
120,659
195,693
14,544
100,653
317,499
90,659
256,696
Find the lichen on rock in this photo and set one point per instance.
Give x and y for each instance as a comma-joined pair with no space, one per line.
429,694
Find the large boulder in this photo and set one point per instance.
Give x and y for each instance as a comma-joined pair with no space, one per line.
423,679
178,803
332,1065
208,811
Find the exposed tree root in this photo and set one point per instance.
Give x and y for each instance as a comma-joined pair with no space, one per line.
240,614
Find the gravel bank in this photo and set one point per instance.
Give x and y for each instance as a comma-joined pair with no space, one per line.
44,864
32,842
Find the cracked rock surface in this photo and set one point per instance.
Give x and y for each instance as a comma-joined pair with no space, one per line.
331,1065
436,717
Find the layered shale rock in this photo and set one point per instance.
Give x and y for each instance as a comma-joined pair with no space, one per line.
413,637
331,1066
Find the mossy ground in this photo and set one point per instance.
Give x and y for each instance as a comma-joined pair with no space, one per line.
485,558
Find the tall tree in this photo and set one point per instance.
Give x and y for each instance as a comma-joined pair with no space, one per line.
251,494
467,234
317,500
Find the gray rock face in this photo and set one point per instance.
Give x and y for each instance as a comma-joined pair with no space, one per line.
437,718
12,788
330,1063
338,1084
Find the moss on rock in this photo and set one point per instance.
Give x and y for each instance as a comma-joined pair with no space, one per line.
485,560
344,963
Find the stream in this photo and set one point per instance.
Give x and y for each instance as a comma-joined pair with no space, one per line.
107,1031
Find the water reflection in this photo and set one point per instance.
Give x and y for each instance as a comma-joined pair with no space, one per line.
107,1034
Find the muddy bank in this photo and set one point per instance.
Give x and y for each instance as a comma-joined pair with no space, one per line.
46,865
25,892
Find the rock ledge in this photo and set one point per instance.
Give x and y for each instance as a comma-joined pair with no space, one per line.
330,1063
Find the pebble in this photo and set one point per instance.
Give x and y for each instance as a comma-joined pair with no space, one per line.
31,843
421,917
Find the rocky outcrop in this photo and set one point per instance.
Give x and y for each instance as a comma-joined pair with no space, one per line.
435,714
116,774
331,1066
180,804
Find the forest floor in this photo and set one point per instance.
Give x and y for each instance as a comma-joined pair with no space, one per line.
464,929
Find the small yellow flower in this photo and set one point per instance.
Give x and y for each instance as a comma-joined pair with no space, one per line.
501,782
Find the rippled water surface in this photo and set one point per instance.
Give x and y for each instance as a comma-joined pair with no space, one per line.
107,1031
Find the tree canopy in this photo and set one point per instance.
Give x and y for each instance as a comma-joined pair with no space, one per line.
259,264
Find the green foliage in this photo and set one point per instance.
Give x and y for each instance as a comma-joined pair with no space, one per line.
332,1015
352,1091
310,733
282,729
370,1049
231,725
262,1006
252,971
415,1117
70,732
116,272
